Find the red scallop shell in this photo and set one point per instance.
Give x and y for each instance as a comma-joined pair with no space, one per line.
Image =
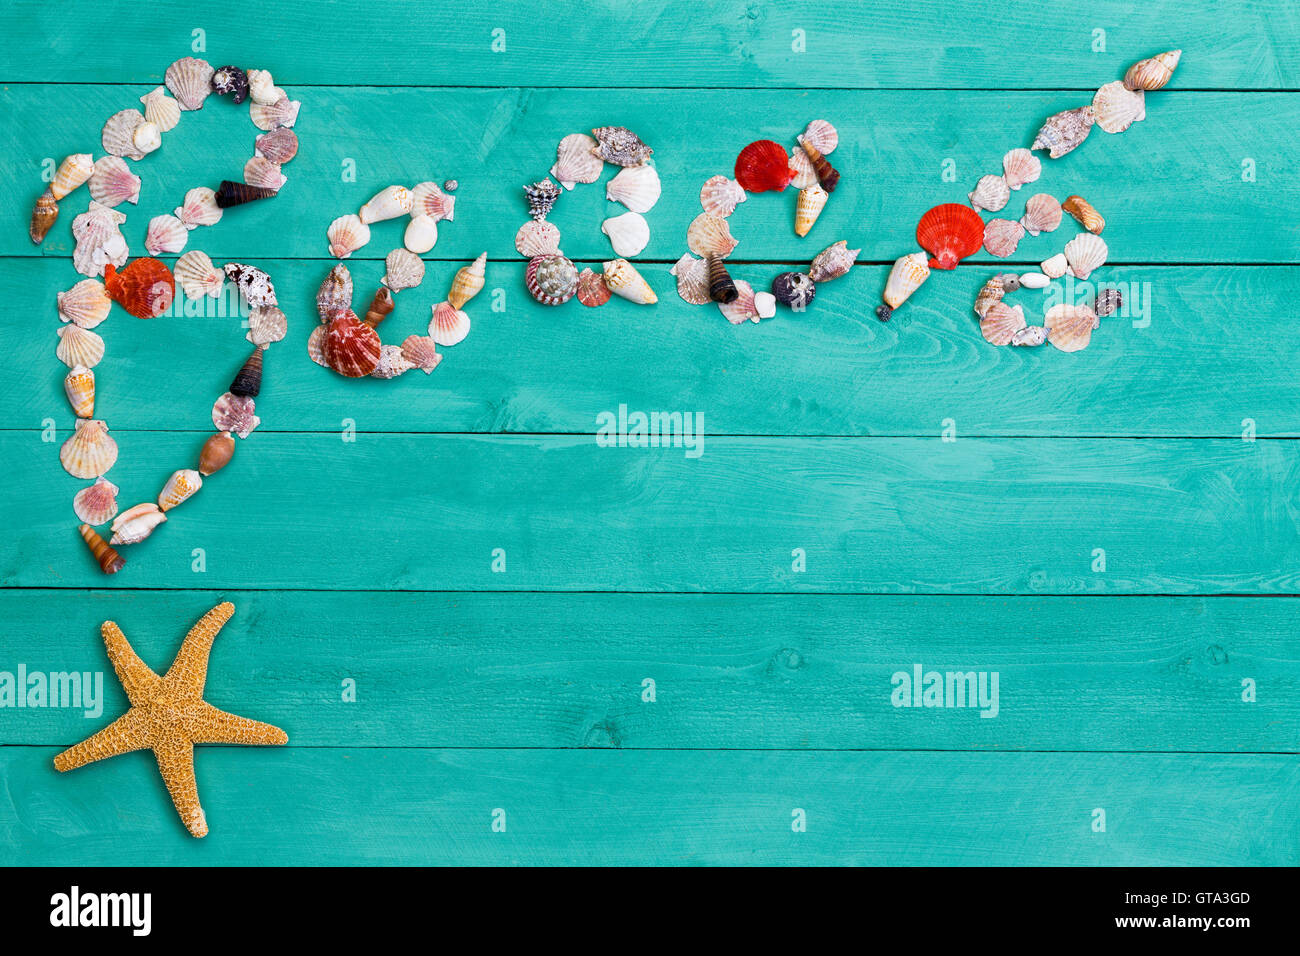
592,290
351,347
145,288
762,166
950,232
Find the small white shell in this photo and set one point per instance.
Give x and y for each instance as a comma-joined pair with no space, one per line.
113,183
636,187
86,304
166,234
260,171
537,238
161,110
800,164
347,234
628,233
421,234
765,304
199,209
99,240
575,162
1055,267
1034,280
197,275
719,195
262,88
146,138
405,270
388,203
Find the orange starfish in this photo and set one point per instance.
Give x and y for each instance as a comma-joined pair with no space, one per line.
168,715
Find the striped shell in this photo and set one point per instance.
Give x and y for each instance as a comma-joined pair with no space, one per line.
161,110
905,277
719,196
449,325
1085,252
1055,267
576,161
96,503
90,451
692,279
1115,107
72,172
624,281
166,234
135,524
1020,166
279,145
1152,73
428,200
283,112
180,486
551,280
78,346
113,183
1070,326
190,81
86,304
316,346
991,193
709,235
79,386
405,270
1083,211
1042,214
537,238
266,324
197,276
994,290
422,352
811,202
199,209
347,234
801,165
1001,236
260,171
1001,322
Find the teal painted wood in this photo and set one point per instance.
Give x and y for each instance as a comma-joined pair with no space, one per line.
414,806
873,515
833,371
728,671
616,43
895,148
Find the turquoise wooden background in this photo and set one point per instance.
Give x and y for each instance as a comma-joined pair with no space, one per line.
522,690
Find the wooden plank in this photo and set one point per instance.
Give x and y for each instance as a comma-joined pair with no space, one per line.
727,671
834,371
896,148
873,515
296,806
729,43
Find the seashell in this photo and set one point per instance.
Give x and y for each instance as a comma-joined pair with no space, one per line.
166,234
230,81
836,260
113,183
110,562
1085,252
551,279
1001,322
905,277
1042,214
260,171
1055,267
708,235
135,524
468,281
576,161
381,306
145,288
405,271
118,136
1034,280
282,113
636,187
802,167
388,203
100,242
991,193
950,232
262,88
254,284
180,486
350,346
199,209
79,347
198,276
1030,335
537,238
421,234
822,135
316,346
541,198
335,293
740,308
216,453
89,452
592,291
190,81
236,194
624,281
812,200
146,138
763,165
86,304
248,380
1115,107
44,213
1063,132
449,325
1152,73
72,172
620,146
719,196
392,362
1108,302
794,289
1070,326
96,503
1082,210
422,352
994,290
279,145
450,185
765,304
628,233
827,175
236,414
1001,236
1020,166
79,386
161,110
348,233
692,279
722,288
266,324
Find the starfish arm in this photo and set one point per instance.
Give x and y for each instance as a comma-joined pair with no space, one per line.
176,764
189,671
137,679
123,735
218,727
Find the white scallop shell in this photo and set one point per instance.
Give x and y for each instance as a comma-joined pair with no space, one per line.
1001,323
197,275
1085,252
1021,166
266,324
628,233
719,196
161,110
421,234
449,325
260,171
90,451
742,308
765,304
118,136
991,193
428,200
636,187
821,136
388,203
1056,266
710,235
692,279
166,234
405,270
347,234
146,138
199,209
113,183
99,240
86,304
1116,107
801,165
190,81
283,112
78,346
575,162
537,238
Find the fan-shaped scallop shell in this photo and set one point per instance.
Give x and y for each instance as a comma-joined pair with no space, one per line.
832,262
428,200
1055,266
692,279
1064,131
235,414
1042,214
636,187
266,324
279,145
90,451
624,281
742,308
1070,326
405,270
389,203
1020,166
822,136
628,233
1152,73
421,234
450,325
96,503
537,238
719,195
113,183
190,81
79,386
161,110
316,346
422,352
592,290
347,234
99,240
990,193
282,113
1085,252
392,362
1001,236
199,209
182,485
260,171
1083,211
198,276
118,136
86,304
801,164
1116,107
1001,322
710,235
620,146
135,524
576,161
146,138
166,234
905,277
551,279
994,290
78,346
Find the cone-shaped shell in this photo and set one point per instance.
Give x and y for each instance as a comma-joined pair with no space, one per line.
135,524
1083,211
722,288
180,486
1152,73
44,213
950,232
248,381
97,503
468,282
110,562
79,386
90,452
72,172
624,281
388,203
827,175
236,194
812,200
905,278
381,306
216,453
835,260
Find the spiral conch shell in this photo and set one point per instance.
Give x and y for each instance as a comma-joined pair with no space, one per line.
86,304
1064,131
180,486
90,452
832,262
79,386
1116,107
994,290
1153,73
468,282
135,524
